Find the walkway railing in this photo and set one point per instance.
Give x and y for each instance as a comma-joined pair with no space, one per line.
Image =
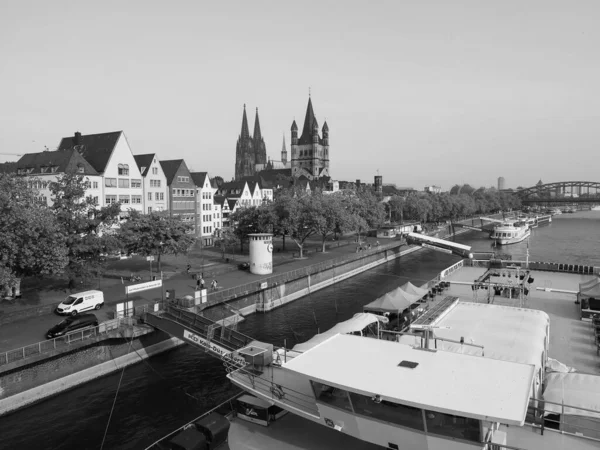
544,422
64,341
537,265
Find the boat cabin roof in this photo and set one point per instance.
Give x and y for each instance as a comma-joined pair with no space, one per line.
452,383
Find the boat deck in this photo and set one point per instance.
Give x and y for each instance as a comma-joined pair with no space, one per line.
291,432
571,339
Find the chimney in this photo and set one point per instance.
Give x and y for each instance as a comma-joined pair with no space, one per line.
77,138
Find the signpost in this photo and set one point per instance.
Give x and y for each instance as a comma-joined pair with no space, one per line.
142,286
150,259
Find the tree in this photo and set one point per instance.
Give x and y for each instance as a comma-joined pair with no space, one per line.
31,242
334,216
297,216
252,219
396,208
228,239
86,228
156,234
367,211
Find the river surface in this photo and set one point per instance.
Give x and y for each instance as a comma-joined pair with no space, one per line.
164,392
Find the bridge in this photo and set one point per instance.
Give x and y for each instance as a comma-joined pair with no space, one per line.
561,192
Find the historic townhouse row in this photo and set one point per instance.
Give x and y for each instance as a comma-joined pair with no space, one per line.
142,182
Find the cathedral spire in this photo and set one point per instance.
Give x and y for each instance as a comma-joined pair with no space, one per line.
307,130
245,130
257,134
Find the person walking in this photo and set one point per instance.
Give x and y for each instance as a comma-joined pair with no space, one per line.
198,284
201,281
213,285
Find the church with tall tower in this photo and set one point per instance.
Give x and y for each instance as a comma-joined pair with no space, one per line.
310,152
250,151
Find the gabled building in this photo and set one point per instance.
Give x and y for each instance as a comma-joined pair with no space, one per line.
44,168
310,152
110,156
155,192
181,190
226,208
204,207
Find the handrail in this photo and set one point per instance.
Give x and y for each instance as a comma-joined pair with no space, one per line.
48,345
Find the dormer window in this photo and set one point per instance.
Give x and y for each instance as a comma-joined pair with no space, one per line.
53,169
44,169
123,169
80,168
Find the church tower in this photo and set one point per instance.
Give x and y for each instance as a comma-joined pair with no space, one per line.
310,152
249,151
284,159
258,143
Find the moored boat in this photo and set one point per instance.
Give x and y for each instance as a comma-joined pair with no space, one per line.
510,232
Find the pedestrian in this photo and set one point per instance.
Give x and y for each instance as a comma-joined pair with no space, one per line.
201,283
198,284
189,266
213,285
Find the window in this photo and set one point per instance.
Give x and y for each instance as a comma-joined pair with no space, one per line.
155,171
406,416
452,426
44,169
80,168
95,185
149,195
136,183
53,169
149,209
332,396
156,195
123,183
183,179
111,199
124,199
136,199
110,182
154,183
95,199
123,169
162,195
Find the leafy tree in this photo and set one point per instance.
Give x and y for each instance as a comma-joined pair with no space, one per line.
367,211
252,219
228,239
156,234
86,228
334,216
396,208
297,216
31,243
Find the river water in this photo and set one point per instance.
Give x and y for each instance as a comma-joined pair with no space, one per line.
164,392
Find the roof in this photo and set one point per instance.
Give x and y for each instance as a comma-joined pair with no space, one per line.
574,389
199,178
452,383
95,148
170,168
231,202
394,301
8,167
506,333
309,122
412,289
144,162
219,199
356,323
67,161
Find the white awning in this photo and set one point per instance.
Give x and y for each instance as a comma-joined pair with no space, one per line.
412,289
574,390
357,323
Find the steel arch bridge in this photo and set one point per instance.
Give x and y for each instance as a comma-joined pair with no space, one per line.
561,192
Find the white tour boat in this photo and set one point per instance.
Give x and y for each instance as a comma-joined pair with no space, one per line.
510,232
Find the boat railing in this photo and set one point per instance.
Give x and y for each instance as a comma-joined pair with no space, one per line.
543,420
267,386
435,340
226,409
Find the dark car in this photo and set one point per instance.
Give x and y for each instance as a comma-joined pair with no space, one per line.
72,323
244,266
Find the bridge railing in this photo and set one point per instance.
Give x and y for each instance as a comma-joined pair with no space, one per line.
64,341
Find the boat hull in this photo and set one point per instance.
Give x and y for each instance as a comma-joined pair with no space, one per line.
512,240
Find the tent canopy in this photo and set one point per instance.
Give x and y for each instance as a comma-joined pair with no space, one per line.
357,323
591,290
577,390
588,284
412,289
394,301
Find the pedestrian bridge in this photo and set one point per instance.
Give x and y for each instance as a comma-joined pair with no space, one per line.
561,192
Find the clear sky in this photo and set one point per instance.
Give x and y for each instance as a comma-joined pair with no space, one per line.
426,92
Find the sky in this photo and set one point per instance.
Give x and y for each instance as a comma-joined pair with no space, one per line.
421,92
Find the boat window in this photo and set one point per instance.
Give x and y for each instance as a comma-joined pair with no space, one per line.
453,426
331,395
406,416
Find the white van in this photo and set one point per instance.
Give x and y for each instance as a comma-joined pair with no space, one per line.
82,301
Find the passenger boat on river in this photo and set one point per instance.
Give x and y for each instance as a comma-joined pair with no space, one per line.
510,232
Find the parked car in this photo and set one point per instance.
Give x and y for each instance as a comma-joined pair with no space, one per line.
244,266
82,301
72,323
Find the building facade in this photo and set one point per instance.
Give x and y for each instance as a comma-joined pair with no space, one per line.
310,152
111,157
155,195
250,151
182,191
204,208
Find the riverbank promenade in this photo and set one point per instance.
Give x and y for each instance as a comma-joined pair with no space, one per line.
25,321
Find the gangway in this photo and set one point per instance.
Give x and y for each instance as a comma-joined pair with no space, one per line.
213,337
